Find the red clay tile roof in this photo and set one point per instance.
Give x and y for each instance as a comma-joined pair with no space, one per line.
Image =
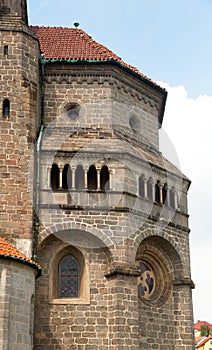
203,341
60,43
10,252
199,323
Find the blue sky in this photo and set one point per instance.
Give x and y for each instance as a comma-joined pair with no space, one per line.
167,40
170,41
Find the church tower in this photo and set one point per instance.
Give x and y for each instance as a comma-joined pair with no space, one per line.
19,87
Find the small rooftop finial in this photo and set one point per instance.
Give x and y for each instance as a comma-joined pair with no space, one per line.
76,24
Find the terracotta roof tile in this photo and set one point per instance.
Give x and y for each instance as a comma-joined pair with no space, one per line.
10,252
74,44
199,323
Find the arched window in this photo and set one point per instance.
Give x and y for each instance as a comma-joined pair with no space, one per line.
72,110
92,178
67,177
141,186
149,189
134,123
6,108
79,178
157,192
164,191
69,277
104,179
171,198
55,175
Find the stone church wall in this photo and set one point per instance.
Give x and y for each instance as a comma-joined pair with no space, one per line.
16,305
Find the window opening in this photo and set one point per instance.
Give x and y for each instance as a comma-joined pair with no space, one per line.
5,50
67,177
134,123
157,192
72,110
92,178
171,196
6,108
55,174
104,179
164,192
149,189
141,186
79,178
146,283
69,277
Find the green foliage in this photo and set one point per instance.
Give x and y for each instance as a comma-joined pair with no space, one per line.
204,330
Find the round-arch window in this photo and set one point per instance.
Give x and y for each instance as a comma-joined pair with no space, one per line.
134,123
155,280
72,111
146,284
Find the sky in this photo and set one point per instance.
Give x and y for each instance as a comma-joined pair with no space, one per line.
169,41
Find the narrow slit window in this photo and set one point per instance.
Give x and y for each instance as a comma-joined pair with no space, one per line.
5,50
6,108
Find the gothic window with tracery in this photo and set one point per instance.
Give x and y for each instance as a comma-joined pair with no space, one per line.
69,277
146,283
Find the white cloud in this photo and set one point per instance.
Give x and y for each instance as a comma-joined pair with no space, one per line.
188,122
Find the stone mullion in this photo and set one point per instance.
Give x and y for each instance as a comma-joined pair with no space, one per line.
161,194
86,177
153,191
175,200
98,179
167,197
145,189
61,176
49,177
73,177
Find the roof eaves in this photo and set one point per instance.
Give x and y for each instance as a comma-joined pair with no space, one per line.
122,66
23,261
